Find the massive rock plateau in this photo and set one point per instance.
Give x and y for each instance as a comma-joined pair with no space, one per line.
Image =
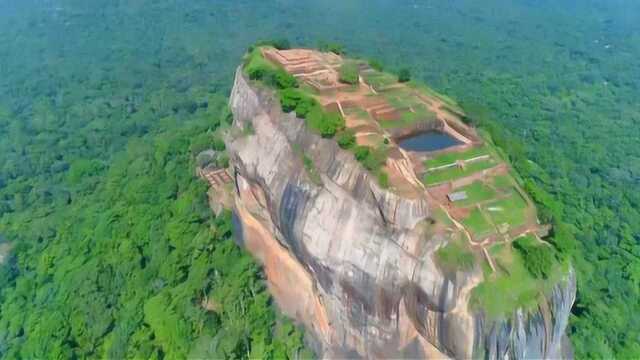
355,263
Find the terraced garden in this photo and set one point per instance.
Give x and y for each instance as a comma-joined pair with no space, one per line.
511,211
452,157
418,113
478,224
476,192
379,81
432,177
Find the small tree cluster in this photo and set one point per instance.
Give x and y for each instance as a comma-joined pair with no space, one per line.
538,258
326,123
257,68
331,47
306,107
404,75
349,73
371,158
280,44
296,100
376,65
346,139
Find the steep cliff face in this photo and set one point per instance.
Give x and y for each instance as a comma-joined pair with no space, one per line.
355,263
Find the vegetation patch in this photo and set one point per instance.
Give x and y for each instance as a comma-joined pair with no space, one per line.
349,72
524,272
311,170
419,113
455,256
292,99
333,47
378,80
452,157
280,44
401,98
452,104
404,75
510,288
260,69
433,177
476,192
478,224
307,107
511,210
503,182
383,179
327,124
346,139
376,65
538,257
373,159
440,216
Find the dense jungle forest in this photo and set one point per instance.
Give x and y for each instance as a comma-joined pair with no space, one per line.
108,245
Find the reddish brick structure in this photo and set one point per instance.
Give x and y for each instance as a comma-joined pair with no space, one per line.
215,177
316,69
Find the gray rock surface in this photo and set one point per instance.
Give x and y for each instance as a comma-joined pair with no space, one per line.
354,262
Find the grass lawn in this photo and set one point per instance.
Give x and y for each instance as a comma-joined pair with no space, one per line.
440,216
358,113
407,117
503,182
402,98
308,89
452,157
379,80
476,193
511,287
255,60
477,224
455,256
452,104
528,240
511,210
455,172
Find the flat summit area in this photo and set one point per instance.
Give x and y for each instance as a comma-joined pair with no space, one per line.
468,184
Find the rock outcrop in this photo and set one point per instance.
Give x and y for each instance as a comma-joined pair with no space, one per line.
355,263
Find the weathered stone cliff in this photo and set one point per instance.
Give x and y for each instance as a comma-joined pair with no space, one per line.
355,263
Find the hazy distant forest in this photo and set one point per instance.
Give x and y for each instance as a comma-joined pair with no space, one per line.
104,103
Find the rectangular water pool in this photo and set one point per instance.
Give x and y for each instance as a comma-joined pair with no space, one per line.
428,141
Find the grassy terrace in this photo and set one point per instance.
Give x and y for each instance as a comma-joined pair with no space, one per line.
511,287
476,192
478,224
455,172
514,284
379,81
511,210
455,256
451,104
452,157
407,117
503,182
401,98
